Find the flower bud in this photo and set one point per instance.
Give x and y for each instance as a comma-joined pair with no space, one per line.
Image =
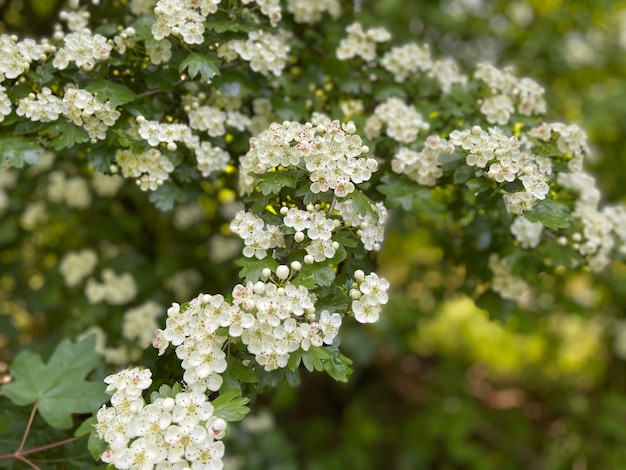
282,272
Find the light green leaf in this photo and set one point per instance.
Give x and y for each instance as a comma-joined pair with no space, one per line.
251,267
553,214
114,92
16,151
199,64
230,407
59,387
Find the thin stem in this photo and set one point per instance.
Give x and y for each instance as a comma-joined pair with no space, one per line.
27,462
27,430
156,91
51,446
332,205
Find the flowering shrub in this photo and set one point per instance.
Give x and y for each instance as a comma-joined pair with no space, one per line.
326,130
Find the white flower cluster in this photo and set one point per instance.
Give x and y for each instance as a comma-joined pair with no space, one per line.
80,106
570,139
361,43
369,294
507,162
422,167
527,233
83,49
114,290
407,60
35,213
601,229
126,39
506,91
266,52
72,191
371,226
504,282
258,237
331,152
155,133
403,122
270,8
169,433
183,19
77,265
75,20
305,11
106,185
211,158
141,7
151,168
271,320
16,56
5,103
140,323
207,118
447,73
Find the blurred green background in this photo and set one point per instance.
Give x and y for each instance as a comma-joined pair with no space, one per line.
438,383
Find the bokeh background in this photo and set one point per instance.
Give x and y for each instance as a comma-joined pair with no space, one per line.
438,383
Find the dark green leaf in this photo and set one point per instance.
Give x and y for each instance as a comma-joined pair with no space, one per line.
362,204
166,195
106,90
59,386
66,135
272,182
199,64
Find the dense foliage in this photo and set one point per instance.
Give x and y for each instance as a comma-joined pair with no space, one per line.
294,162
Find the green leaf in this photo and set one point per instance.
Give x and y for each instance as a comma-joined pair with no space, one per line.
399,191
86,427
362,204
241,372
165,196
272,182
165,391
96,446
463,173
199,64
251,267
230,407
59,387
553,214
329,360
66,135
114,92
16,151
451,161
